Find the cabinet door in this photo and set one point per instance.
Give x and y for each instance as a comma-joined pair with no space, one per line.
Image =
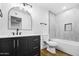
23,46
28,46
6,47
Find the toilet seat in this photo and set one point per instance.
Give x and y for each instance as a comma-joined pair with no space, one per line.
51,43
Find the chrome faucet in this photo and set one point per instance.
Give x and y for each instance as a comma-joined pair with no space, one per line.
17,31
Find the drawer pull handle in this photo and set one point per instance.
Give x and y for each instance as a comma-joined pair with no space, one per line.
14,43
35,47
17,43
35,39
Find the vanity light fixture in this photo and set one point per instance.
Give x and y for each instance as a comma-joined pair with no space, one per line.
1,15
25,7
43,23
26,4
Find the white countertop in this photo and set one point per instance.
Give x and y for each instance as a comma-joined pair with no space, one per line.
8,36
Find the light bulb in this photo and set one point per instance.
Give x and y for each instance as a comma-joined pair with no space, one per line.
64,8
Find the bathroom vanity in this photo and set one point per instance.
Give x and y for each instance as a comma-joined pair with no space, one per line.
20,46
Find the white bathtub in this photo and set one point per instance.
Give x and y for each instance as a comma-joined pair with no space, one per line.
70,47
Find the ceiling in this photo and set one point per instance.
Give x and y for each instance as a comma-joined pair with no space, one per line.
56,7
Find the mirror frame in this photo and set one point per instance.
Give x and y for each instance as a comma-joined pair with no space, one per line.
9,19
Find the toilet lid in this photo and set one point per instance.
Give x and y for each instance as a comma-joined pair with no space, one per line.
52,43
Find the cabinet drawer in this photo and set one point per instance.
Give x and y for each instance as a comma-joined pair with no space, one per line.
35,49
36,38
35,44
36,52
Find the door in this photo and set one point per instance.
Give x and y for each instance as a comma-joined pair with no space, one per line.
6,47
23,46
52,25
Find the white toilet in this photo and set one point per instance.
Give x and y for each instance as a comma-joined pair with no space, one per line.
51,46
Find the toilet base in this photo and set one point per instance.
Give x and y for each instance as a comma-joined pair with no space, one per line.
51,50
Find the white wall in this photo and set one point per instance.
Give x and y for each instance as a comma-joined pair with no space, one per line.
38,15
69,16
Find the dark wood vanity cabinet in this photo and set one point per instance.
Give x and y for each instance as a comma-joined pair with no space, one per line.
20,46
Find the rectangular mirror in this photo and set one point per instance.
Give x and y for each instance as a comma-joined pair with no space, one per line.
16,22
